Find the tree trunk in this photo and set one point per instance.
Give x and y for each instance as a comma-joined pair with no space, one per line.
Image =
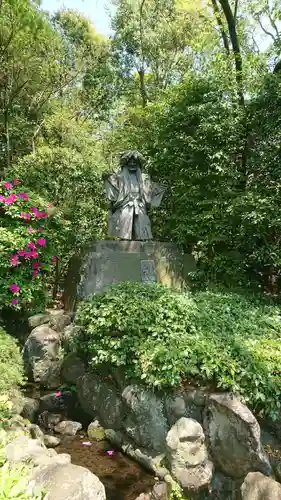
230,19
220,23
142,88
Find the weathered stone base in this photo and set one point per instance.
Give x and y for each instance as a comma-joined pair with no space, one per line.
110,262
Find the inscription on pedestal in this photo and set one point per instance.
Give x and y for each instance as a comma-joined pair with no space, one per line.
148,272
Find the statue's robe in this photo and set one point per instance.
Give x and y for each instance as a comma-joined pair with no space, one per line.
130,194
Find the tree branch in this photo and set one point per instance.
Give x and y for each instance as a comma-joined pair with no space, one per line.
265,31
221,28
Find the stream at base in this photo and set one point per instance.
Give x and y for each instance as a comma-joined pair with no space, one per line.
122,478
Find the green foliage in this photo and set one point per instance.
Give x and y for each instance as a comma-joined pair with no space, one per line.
70,178
11,368
14,481
162,336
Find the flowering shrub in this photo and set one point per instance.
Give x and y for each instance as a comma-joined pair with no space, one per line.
26,252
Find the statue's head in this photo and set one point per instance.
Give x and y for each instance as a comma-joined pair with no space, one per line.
132,160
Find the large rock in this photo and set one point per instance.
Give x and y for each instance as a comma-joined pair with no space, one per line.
59,320
38,320
234,437
100,399
72,368
259,487
22,449
145,422
49,420
188,457
95,431
185,403
160,491
30,409
149,461
41,356
68,428
68,482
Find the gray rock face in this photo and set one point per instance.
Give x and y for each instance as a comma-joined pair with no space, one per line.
59,320
72,368
256,486
185,404
68,428
234,437
160,491
49,420
51,441
38,319
36,432
40,355
152,461
187,455
68,482
95,431
23,449
30,409
145,421
100,398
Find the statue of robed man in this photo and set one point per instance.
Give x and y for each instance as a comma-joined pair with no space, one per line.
131,193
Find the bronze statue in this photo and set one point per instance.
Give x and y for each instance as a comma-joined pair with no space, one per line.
130,193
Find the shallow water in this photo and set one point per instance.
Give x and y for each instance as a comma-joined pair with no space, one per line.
122,478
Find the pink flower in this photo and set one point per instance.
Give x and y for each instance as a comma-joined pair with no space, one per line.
24,196
44,214
30,229
25,215
14,260
14,301
10,199
50,205
41,242
21,252
58,394
33,254
2,197
16,182
54,258
31,245
7,185
34,210
14,288
110,452
37,265
34,273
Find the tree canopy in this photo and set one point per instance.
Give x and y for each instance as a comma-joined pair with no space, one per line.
194,85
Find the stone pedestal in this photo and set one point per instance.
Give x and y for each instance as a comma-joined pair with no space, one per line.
110,262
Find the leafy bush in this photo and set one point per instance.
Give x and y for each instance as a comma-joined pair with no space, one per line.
14,480
26,252
162,337
11,364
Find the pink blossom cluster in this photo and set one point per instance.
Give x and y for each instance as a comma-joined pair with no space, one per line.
31,251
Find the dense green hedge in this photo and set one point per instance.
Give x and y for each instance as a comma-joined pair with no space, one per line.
11,364
162,336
